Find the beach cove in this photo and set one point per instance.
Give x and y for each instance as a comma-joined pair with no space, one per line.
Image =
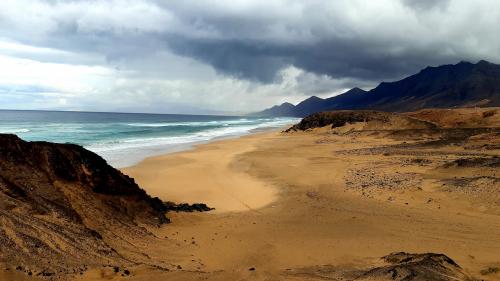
289,210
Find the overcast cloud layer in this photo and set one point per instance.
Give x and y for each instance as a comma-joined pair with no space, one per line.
193,56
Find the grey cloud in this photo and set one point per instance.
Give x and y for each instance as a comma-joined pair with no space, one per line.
337,58
248,41
239,58
322,41
241,48
426,4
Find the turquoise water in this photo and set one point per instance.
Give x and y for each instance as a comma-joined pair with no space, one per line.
124,139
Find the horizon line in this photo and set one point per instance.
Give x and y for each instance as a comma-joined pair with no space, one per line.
119,112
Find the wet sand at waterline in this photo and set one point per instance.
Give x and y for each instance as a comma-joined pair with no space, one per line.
206,174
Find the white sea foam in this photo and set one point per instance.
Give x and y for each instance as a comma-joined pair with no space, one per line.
193,124
126,139
126,152
13,131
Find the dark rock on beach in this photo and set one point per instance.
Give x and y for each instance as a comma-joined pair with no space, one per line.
398,266
185,207
415,267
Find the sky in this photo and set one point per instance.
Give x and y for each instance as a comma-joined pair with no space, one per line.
226,57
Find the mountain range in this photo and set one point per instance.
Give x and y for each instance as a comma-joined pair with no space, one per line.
463,84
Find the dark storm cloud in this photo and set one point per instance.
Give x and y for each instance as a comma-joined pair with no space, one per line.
323,41
260,60
240,58
375,40
335,57
426,4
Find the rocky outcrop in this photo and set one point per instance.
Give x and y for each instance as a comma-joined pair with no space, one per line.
62,206
416,267
375,120
399,266
185,207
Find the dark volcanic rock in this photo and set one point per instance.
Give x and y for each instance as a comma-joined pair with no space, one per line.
396,267
338,119
342,117
424,267
185,207
478,162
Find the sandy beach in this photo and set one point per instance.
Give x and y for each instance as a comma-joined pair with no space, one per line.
306,206
206,174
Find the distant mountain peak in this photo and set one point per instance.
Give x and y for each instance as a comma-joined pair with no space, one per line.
355,90
485,63
310,101
313,98
284,105
444,86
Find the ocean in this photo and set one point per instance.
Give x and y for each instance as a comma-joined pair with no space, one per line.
124,139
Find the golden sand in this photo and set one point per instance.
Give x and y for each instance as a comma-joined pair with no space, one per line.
291,206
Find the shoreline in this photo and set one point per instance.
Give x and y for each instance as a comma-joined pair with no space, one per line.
124,140
220,179
188,146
